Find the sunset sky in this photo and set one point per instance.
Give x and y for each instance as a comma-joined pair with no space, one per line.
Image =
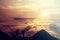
40,9
37,6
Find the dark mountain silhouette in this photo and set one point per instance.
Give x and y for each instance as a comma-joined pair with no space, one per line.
4,36
41,35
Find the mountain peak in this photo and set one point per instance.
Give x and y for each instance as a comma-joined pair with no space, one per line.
43,35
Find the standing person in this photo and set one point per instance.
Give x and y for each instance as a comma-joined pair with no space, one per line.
15,35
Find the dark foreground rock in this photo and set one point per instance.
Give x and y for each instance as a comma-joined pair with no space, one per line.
41,35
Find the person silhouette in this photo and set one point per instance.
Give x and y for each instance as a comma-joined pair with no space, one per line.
25,30
15,34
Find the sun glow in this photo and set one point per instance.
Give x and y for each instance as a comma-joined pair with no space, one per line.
45,14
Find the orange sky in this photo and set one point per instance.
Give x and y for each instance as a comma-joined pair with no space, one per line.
40,9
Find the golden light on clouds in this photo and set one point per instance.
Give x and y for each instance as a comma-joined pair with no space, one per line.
38,9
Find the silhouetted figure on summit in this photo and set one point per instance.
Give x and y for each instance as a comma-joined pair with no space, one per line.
15,34
25,30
